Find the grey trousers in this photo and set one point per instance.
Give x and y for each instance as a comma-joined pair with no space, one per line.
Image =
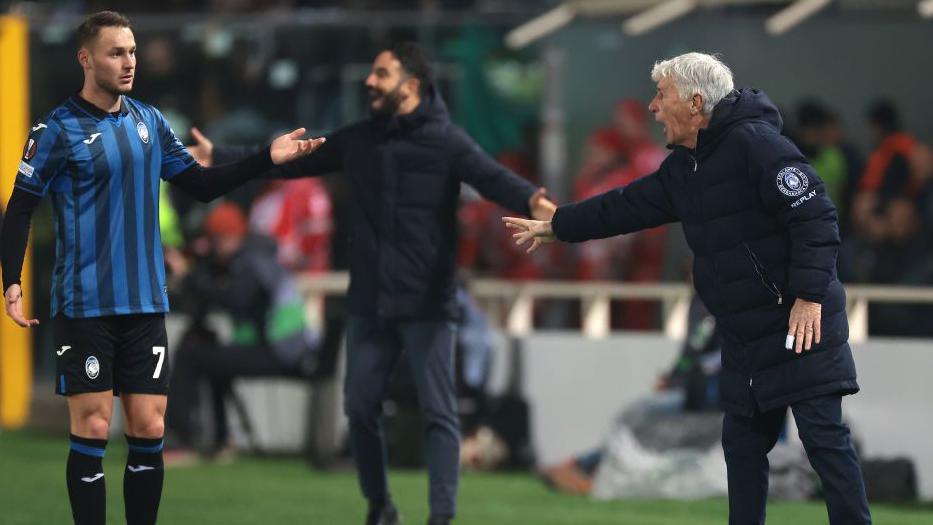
373,348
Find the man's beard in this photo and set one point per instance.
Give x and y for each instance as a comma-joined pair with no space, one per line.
113,88
391,101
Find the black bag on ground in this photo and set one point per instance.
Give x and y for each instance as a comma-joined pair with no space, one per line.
890,480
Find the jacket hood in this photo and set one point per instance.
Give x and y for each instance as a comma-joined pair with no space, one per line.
739,106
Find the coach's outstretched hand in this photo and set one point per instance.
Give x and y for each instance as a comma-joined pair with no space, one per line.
539,232
13,297
540,206
290,146
203,148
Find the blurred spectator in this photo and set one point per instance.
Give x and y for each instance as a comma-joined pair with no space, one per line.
820,139
885,214
485,248
602,156
838,163
297,214
894,243
692,385
616,157
241,277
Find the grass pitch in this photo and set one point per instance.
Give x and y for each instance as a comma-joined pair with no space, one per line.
285,491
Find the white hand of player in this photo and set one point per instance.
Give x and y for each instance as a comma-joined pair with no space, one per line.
203,148
13,297
539,232
291,146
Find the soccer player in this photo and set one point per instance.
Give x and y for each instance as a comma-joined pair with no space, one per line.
101,154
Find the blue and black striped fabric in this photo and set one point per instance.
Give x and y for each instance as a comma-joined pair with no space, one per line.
102,170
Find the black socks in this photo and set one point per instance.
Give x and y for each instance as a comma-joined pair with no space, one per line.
85,478
142,480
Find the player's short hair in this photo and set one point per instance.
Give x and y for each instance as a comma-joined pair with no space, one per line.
90,28
414,62
697,74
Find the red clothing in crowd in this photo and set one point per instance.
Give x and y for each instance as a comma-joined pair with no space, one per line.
297,213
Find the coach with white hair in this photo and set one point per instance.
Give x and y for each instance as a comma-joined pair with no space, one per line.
765,237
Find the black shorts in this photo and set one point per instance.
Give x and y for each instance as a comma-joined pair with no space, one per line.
123,353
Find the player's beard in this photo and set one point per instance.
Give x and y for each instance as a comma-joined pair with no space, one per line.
112,87
391,101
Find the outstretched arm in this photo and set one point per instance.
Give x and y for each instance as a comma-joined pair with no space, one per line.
497,183
208,183
326,159
642,204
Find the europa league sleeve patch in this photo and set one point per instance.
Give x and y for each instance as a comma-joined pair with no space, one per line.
29,150
792,181
32,143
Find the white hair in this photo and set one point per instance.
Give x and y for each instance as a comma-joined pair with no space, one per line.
696,74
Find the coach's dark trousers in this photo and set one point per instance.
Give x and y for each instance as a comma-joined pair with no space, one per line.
373,347
746,442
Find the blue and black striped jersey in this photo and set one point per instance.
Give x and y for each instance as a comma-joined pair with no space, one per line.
102,170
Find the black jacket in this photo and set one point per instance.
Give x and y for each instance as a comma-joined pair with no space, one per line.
259,295
405,173
763,232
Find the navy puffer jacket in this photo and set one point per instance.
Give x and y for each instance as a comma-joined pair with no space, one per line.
405,173
763,233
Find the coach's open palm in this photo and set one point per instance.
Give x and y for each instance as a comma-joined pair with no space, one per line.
203,148
539,232
13,297
290,146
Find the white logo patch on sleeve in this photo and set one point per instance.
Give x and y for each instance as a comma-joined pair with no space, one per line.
26,169
792,182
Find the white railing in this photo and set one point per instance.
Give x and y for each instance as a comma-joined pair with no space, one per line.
513,301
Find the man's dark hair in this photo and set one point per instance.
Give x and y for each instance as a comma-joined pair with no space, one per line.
90,28
414,62
813,114
883,114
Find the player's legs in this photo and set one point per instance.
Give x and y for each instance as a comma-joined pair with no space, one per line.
141,372
84,363
373,349
144,475
430,349
829,447
90,415
746,442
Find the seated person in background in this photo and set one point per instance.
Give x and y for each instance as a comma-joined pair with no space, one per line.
241,277
692,385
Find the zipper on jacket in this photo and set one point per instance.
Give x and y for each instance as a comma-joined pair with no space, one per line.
760,270
696,164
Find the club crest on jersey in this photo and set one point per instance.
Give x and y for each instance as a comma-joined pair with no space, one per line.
30,150
143,132
792,182
92,367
